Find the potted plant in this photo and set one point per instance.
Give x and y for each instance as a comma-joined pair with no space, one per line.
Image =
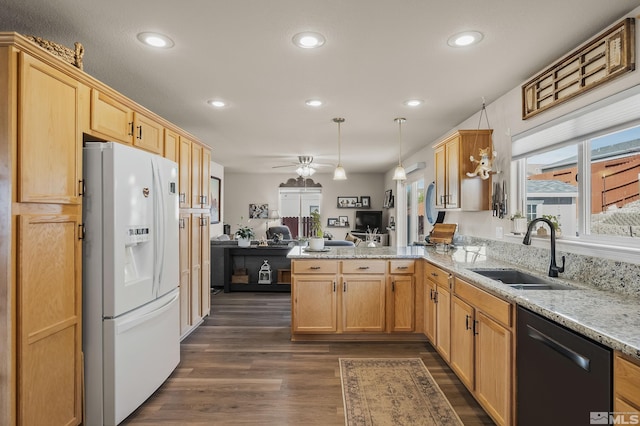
556,224
519,223
244,235
316,242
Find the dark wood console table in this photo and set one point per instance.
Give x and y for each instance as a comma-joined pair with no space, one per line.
226,259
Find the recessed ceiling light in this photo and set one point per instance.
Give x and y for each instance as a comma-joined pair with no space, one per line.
466,38
156,40
313,102
413,102
308,40
217,103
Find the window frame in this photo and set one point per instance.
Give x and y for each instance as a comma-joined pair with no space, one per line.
608,115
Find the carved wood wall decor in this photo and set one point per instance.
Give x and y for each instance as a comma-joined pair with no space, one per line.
608,56
300,182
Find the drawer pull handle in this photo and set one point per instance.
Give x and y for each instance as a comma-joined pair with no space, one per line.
433,274
363,267
402,267
314,268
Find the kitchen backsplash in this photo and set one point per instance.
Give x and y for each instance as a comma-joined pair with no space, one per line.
604,274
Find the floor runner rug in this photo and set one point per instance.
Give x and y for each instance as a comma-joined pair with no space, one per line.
392,392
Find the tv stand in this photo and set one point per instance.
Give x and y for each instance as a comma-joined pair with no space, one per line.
382,239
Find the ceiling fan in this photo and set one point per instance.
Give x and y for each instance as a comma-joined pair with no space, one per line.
305,166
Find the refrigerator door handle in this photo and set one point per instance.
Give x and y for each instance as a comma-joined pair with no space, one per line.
133,322
159,218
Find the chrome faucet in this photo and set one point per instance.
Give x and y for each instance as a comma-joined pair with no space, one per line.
553,268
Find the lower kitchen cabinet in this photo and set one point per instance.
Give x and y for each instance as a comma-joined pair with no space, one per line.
481,348
352,297
401,296
462,341
438,309
314,298
363,296
626,386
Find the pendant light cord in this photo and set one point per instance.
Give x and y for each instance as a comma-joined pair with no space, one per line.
339,145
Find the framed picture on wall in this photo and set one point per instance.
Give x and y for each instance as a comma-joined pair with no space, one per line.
366,201
343,220
258,211
214,196
347,202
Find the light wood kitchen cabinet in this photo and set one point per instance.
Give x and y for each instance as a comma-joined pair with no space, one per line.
363,296
401,295
171,145
184,172
626,384
200,267
430,310
148,134
314,296
184,236
50,310
50,146
462,344
113,120
41,254
205,265
443,321
110,119
438,309
205,185
48,105
482,346
196,175
453,188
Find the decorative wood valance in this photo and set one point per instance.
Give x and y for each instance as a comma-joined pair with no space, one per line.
608,56
300,182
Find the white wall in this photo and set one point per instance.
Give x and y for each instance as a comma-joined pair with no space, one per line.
505,117
242,189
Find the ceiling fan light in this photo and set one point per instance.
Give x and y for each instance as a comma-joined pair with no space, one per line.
399,173
305,170
339,173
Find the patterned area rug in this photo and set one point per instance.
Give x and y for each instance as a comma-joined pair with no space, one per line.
393,392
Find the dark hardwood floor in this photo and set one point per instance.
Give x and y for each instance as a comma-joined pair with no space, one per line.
240,368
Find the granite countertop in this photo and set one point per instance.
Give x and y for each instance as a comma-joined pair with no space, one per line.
609,318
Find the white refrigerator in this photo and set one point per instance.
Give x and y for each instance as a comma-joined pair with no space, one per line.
131,315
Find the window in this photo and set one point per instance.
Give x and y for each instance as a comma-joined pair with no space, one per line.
415,196
591,186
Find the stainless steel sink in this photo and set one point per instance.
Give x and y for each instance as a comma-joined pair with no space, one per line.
521,280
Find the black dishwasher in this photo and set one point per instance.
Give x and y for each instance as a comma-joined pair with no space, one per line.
563,378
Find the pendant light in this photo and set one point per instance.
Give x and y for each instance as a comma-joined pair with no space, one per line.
399,173
339,173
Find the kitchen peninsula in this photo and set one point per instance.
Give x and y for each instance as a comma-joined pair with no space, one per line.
415,293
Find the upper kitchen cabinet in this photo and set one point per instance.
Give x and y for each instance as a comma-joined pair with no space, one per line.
198,172
454,189
113,120
50,141
171,145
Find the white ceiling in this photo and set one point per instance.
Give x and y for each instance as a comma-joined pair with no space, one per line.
378,54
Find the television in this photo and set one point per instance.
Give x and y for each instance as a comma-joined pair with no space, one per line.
371,219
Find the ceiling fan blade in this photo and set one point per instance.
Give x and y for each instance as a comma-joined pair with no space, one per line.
286,165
